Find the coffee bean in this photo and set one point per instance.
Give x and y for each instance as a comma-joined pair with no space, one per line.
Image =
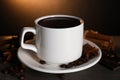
21,77
5,71
9,59
88,53
42,62
68,66
21,70
63,65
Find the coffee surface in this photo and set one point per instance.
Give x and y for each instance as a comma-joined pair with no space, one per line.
59,22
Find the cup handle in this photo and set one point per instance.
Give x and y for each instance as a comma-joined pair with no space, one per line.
28,46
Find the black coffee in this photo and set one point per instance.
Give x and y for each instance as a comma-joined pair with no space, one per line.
59,22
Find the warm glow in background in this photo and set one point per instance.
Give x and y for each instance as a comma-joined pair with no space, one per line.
42,7
35,6
24,12
15,14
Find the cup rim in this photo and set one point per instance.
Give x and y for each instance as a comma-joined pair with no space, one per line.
50,16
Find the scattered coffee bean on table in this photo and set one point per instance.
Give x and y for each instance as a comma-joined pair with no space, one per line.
9,59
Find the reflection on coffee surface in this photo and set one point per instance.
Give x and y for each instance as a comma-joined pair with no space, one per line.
59,22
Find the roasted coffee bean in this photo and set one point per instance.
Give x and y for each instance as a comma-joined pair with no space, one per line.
5,71
71,64
21,77
75,63
80,62
8,58
42,62
92,56
68,66
22,70
89,52
63,65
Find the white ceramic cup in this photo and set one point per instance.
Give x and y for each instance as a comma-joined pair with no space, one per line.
56,45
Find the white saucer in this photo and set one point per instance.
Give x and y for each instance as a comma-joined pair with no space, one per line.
30,59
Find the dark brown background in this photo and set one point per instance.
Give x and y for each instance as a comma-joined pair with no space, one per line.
100,15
